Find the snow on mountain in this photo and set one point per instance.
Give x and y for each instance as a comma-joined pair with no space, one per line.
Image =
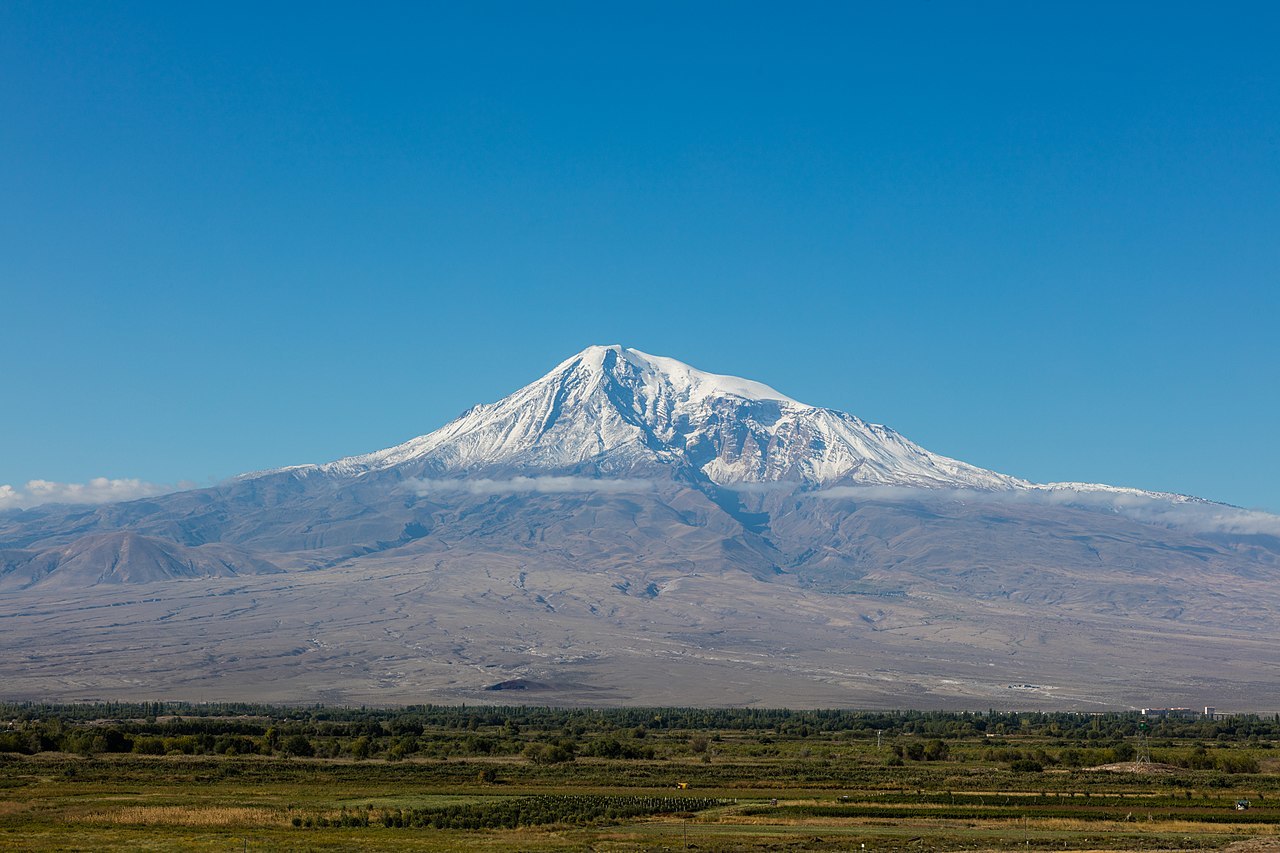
1067,490
612,411
617,412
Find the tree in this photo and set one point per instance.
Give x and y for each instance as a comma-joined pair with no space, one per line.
298,745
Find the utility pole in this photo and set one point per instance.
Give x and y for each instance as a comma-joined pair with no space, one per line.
879,732
1144,745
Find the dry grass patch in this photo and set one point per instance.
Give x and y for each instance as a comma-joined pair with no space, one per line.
1255,845
237,816
1152,768
12,807
1071,824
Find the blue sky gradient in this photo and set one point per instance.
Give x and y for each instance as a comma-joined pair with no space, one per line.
1041,238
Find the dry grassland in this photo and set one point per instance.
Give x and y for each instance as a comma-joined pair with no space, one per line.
228,816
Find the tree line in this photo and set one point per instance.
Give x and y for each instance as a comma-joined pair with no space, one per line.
552,735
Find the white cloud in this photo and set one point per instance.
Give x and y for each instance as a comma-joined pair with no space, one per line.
765,487
526,485
99,490
1165,510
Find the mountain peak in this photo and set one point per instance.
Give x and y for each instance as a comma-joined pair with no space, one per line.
613,411
687,383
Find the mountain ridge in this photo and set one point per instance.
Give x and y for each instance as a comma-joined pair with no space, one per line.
889,457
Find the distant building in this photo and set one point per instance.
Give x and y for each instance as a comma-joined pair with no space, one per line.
1170,713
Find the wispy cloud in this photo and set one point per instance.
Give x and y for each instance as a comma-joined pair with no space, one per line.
765,487
99,490
525,485
1165,510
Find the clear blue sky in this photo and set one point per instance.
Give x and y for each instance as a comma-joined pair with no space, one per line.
1040,237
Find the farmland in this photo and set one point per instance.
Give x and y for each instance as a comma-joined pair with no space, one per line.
220,777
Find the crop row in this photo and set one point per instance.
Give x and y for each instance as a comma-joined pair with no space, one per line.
511,812
996,812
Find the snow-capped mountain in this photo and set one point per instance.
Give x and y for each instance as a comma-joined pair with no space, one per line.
654,532
613,411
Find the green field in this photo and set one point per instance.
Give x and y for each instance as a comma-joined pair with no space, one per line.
163,777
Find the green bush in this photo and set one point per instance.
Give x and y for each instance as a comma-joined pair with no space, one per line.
298,745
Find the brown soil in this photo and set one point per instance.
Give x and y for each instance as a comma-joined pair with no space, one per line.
1150,769
1254,845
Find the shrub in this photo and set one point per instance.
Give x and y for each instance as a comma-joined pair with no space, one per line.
936,750
297,745
547,753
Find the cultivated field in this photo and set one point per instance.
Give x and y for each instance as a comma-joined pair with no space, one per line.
152,777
